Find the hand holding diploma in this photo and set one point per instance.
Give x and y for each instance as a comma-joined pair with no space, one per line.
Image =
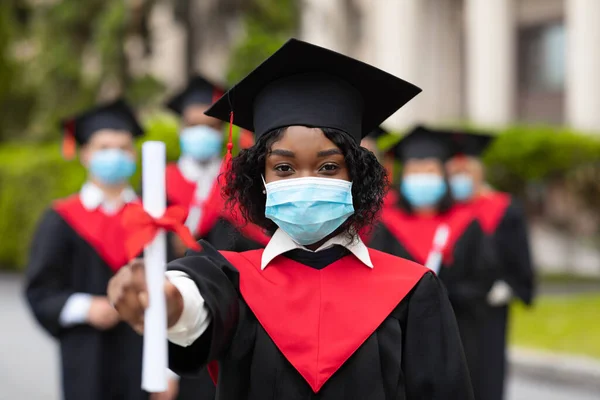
127,292
140,292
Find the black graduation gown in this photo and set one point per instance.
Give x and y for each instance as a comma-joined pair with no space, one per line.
96,365
400,343
225,232
224,236
503,219
467,273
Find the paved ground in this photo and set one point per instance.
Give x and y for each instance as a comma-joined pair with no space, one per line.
28,358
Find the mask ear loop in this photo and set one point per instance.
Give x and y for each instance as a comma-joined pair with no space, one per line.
264,184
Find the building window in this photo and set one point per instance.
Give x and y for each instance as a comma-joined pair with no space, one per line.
541,61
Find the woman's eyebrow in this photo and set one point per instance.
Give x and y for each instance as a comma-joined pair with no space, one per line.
282,153
330,152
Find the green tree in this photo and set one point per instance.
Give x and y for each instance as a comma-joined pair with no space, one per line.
268,24
70,54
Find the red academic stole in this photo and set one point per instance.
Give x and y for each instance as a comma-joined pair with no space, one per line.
105,233
181,192
489,208
319,318
416,233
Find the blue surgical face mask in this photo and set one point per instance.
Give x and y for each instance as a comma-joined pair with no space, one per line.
201,142
423,190
309,209
112,166
461,186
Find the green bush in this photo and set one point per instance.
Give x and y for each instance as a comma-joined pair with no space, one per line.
523,154
30,177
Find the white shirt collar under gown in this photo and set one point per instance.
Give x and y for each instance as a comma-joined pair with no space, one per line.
92,197
281,243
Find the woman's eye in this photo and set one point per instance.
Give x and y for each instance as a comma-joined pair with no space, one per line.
283,168
329,167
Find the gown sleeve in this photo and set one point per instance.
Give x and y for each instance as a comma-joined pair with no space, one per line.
47,287
218,282
515,257
434,361
476,266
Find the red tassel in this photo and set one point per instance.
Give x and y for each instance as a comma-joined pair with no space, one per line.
228,156
230,142
68,144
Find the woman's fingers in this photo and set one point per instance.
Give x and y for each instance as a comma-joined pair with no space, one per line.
127,293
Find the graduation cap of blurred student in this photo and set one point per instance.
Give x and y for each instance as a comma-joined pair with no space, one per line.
306,85
424,142
116,115
471,144
199,91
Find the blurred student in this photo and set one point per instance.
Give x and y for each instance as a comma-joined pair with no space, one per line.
501,217
192,181
423,226
78,246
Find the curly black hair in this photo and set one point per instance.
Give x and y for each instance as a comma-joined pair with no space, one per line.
244,187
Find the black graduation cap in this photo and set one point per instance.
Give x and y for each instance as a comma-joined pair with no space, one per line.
199,90
424,142
304,84
471,144
116,115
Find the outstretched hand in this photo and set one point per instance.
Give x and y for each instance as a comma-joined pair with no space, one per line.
128,294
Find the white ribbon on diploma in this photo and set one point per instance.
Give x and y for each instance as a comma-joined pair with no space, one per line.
154,364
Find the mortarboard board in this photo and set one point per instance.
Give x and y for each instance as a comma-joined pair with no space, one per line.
198,91
423,142
304,84
471,144
116,115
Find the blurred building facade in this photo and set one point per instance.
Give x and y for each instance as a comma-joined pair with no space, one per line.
489,62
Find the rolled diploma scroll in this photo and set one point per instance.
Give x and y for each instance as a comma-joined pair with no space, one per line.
154,365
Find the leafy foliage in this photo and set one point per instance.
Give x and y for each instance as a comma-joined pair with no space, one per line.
268,24
61,56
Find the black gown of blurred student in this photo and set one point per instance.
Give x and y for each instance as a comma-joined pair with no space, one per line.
214,221
76,250
468,267
502,218
321,325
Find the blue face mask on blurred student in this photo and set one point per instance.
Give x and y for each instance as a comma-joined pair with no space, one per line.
423,189
112,166
201,142
461,186
309,209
